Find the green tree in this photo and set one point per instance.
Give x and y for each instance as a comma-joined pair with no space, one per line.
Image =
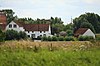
9,14
92,18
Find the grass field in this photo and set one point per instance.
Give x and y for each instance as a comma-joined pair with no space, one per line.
28,53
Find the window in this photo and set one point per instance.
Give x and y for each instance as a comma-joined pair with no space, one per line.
28,35
10,26
44,31
33,35
15,26
28,31
32,31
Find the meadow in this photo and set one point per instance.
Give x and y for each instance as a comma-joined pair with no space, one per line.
70,53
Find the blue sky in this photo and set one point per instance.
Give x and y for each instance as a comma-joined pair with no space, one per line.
64,9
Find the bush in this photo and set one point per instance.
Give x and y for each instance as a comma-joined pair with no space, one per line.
44,38
85,38
49,38
54,38
14,35
70,38
2,36
61,38
22,35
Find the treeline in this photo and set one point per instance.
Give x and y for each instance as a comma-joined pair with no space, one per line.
56,23
87,20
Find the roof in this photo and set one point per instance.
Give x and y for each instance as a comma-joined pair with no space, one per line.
80,31
33,27
36,27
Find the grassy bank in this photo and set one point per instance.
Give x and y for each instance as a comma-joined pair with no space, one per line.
27,53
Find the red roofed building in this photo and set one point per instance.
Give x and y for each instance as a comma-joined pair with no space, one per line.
32,30
84,32
3,21
3,18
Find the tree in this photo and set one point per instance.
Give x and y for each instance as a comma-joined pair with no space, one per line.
87,25
90,18
10,14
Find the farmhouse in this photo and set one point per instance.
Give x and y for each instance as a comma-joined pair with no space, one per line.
32,30
84,32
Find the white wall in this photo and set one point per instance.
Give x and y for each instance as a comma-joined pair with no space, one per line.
89,33
37,33
17,28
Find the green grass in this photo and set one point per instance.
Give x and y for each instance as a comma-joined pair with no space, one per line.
37,56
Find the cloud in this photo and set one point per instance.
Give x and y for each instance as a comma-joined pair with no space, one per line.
92,1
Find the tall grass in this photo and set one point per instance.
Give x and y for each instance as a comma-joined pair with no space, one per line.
28,53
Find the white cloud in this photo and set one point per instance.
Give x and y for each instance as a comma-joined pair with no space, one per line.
92,1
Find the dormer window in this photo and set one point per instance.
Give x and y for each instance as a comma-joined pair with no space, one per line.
15,25
10,25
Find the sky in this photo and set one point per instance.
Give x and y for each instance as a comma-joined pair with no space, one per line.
44,9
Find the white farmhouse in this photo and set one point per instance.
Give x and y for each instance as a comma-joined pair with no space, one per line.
32,30
84,32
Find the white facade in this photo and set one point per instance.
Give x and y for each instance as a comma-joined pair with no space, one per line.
33,34
89,33
14,26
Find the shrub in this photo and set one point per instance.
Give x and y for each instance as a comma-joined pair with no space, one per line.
2,36
49,38
44,38
85,38
12,35
61,38
54,38
22,35
70,38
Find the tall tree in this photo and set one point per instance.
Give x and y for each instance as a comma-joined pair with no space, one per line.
9,14
92,18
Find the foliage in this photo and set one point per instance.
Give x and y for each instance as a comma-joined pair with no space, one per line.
70,38
87,25
69,33
44,38
61,38
9,14
22,35
14,35
89,18
2,36
49,38
54,38
85,38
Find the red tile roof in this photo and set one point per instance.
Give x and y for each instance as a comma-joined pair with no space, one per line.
36,27
33,27
80,31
